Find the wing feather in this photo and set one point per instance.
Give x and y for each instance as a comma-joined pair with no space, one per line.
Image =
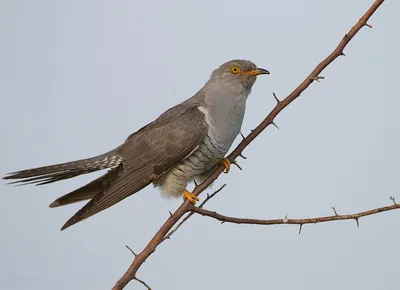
148,153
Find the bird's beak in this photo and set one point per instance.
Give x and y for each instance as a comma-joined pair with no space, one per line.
256,72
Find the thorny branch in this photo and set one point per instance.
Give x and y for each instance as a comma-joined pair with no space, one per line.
136,278
209,196
171,232
140,258
285,220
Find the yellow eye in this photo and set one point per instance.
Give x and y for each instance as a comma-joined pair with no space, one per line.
235,69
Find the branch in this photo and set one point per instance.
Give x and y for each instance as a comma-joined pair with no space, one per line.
285,220
136,278
209,196
184,208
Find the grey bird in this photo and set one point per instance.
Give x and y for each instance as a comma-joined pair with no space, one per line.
183,144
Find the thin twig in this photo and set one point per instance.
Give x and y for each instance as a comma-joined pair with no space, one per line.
210,196
184,208
142,282
335,217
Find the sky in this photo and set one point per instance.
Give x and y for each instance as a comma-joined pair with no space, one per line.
77,77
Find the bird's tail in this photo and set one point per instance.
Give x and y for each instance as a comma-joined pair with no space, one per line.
57,172
86,192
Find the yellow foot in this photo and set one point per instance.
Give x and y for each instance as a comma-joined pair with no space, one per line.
190,196
225,162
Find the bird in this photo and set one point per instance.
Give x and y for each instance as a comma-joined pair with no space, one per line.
183,144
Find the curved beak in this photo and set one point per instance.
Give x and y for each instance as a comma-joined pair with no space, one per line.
256,72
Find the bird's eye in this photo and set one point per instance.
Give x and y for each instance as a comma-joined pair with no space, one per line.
235,70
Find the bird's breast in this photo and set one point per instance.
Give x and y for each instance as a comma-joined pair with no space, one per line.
224,124
224,121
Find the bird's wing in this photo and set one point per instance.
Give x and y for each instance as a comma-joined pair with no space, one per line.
146,154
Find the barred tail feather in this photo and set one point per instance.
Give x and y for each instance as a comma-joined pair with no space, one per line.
57,172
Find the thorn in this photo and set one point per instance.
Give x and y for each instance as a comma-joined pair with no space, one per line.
358,225
366,24
208,195
241,155
238,166
301,226
195,182
222,222
241,134
392,199
346,36
276,98
170,213
133,253
285,220
342,53
334,210
275,125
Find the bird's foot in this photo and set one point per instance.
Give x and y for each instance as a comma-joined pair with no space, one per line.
225,162
190,197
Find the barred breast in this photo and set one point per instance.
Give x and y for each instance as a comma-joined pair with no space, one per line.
208,154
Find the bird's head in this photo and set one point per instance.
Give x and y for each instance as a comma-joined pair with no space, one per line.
237,73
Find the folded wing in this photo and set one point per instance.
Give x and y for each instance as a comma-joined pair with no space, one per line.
146,154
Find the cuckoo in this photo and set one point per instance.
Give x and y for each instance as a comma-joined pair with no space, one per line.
183,144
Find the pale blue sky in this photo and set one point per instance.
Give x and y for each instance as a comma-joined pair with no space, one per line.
77,77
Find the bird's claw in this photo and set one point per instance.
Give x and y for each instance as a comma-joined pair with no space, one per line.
190,197
226,163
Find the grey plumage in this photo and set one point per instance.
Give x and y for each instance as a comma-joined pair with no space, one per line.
183,143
